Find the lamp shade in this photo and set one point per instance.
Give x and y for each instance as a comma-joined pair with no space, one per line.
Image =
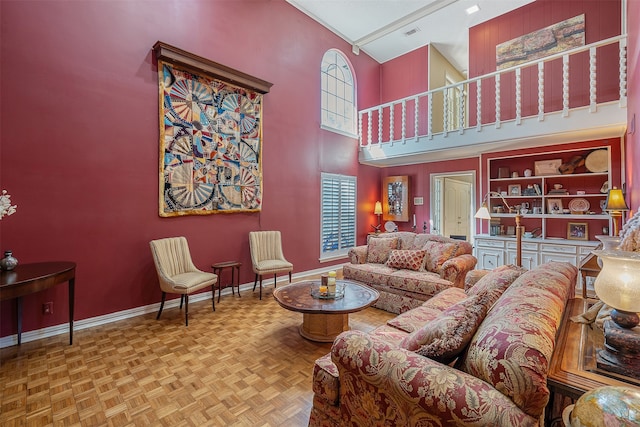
615,201
483,212
378,209
618,283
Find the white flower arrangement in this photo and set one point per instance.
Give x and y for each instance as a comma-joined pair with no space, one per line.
6,208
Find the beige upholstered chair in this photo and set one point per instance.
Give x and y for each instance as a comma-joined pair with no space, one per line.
177,274
267,256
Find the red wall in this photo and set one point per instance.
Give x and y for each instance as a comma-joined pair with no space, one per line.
602,20
79,140
633,107
420,185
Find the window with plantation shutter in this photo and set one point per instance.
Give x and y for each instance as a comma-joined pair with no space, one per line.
338,215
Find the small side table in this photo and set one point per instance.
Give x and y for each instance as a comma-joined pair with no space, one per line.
219,267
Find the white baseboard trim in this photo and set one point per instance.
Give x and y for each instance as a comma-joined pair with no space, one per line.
78,325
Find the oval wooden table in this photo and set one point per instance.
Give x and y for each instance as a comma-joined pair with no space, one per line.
27,279
324,319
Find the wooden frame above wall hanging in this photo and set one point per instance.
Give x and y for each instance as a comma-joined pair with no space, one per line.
395,198
210,135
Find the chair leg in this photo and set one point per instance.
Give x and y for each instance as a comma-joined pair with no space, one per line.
213,296
255,282
181,301
186,310
164,295
261,287
275,283
289,277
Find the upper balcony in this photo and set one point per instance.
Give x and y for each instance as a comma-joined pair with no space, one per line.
577,95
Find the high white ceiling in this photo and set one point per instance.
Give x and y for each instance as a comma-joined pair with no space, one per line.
379,27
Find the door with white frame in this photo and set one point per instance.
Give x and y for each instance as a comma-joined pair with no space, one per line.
452,204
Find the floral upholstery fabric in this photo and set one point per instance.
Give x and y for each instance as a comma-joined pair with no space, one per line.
414,281
382,385
408,259
455,269
369,273
379,249
395,302
416,318
389,334
512,348
325,379
499,380
437,254
402,289
500,278
444,338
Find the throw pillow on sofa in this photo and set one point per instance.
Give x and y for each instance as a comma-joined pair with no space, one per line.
378,250
444,338
437,254
406,259
499,279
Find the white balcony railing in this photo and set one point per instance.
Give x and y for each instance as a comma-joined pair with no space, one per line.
583,78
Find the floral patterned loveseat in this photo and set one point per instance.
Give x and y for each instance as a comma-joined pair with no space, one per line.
476,358
408,268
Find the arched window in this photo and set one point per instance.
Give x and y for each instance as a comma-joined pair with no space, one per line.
338,97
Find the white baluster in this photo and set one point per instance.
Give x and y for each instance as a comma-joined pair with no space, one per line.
445,112
430,116
540,91
565,85
369,126
518,96
592,80
404,119
360,127
497,101
461,115
380,125
623,72
391,112
479,105
417,115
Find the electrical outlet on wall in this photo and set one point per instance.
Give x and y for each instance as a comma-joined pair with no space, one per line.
47,308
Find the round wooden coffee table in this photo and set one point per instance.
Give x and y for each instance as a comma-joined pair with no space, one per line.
324,319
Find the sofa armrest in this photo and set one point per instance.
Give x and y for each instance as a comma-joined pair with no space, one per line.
381,384
358,254
455,270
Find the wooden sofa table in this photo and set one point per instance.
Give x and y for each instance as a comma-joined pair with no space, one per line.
324,319
573,370
31,278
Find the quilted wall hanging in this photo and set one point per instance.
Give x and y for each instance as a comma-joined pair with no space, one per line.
210,137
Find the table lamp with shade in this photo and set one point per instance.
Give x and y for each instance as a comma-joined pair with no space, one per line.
483,213
377,210
618,286
615,205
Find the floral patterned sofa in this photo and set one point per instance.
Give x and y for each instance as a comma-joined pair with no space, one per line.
408,268
476,358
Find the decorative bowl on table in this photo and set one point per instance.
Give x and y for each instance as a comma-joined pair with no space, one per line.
320,291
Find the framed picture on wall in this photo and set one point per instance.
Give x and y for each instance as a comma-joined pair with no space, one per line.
578,231
554,206
515,190
395,198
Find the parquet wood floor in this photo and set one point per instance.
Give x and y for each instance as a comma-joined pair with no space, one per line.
243,365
